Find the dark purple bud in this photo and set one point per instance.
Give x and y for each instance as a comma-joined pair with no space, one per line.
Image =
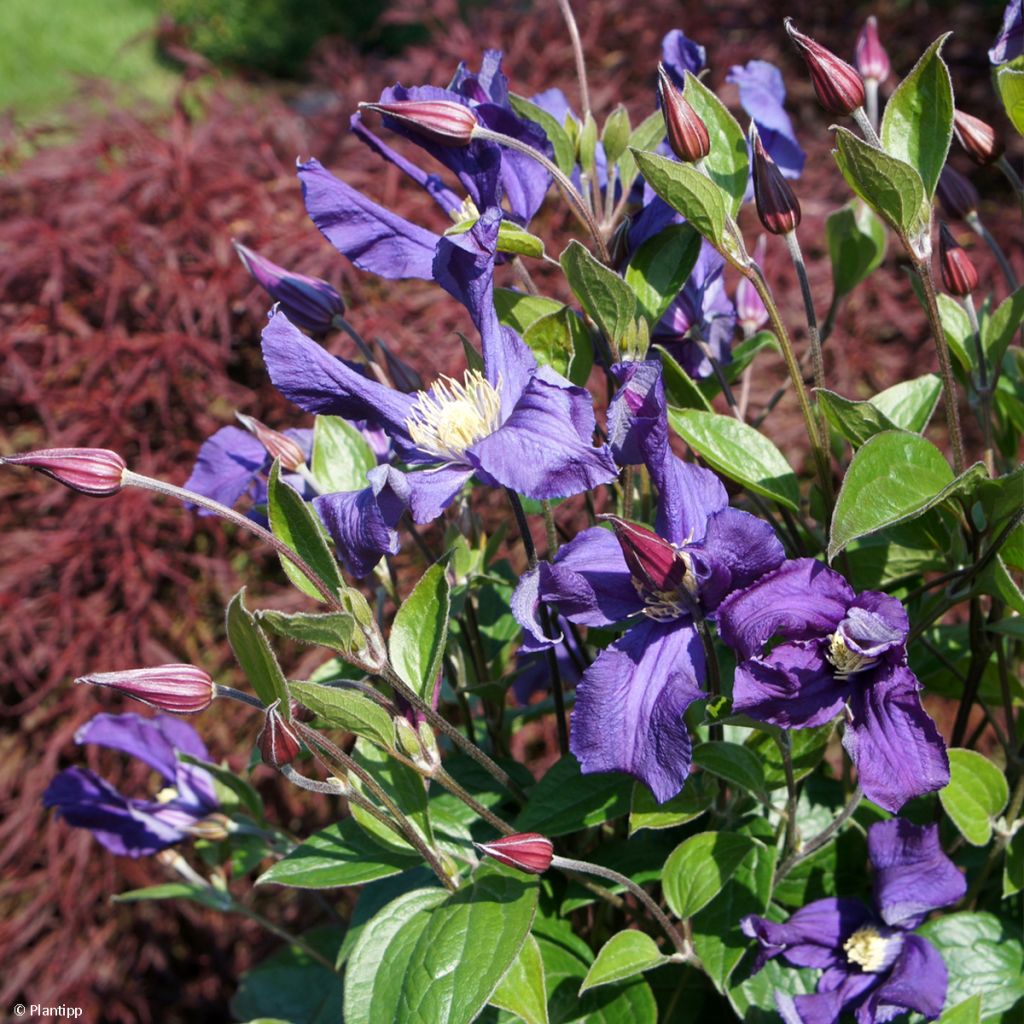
839,87
444,122
308,302
527,851
957,195
654,564
278,743
687,133
405,377
959,275
872,60
278,445
94,471
180,689
978,138
777,206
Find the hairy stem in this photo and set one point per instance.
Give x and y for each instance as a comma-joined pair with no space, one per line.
983,386
974,221
818,841
577,52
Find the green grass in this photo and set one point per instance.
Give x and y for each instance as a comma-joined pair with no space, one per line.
49,44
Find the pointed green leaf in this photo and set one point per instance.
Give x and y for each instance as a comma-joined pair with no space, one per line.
604,296
336,630
734,763
343,708
698,869
967,1012
681,390
561,340
975,796
856,421
697,796
522,990
254,654
341,455
564,149
727,163
660,267
514,239
231,789
205,896
1010,83
856,245
956,327
420,630
565,800
1002,325
406,788
624,955
518,309
911,403
647,135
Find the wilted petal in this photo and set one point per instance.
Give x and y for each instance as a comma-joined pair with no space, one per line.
630,706
895,746
637,419
762,95
916,981
812,937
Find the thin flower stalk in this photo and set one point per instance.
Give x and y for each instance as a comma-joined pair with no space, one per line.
984,387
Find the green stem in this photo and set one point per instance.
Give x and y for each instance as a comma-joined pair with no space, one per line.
974,221
865,125
984,388
815,844
786,750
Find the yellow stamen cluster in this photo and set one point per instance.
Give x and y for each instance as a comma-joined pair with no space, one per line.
846,662
453,415
467,211
166,795
867,949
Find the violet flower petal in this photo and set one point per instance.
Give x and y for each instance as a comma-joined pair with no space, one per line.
432,490
762,95
826,1005
227,464
917,981
1010,42
742,545
812,937
680,54
151,740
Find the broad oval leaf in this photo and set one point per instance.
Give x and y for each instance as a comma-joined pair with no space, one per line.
522,990
697,870
420,630
1010,82
697,796
341,455
911,403
728,162
518,309
734,763
254,654
624,955
561,340
565,800
856,245
337,630
604,296
975,796
341,707
660,267
739,452
856,421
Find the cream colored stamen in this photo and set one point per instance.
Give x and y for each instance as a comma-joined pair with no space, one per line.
868,949
846,662
453,415
467,211
165,796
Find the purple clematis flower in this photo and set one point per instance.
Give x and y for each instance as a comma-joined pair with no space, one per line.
762,95
842,652
1010,42
631,700
514,424
680,54
128,826
873,965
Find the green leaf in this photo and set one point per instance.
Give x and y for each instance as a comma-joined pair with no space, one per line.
894,477
807,750
727,163
891,187
975,796
522,990
253,653
341,854
699,200
565,800
660,267
470,941
699,868
983,955
680,389
967,1012
420,629
341,707
956,327
734,763
518,309
624,955
565,151
1000,327
753,999
388,938
604,296
647,135
1013,866
292,521
917,126
1010,83
337,630
561,340
739,452
341,455
911,403
856,245
856,421
697,796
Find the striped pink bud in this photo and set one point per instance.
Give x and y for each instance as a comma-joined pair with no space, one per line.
278,445
872,60
527,851
838,85
441,121
180,689
687,133
978,138
278,743
94,471
959,275
653,562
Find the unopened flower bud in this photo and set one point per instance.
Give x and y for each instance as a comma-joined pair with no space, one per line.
441,121
959,275
278,445
750,311
777,206
406,737
404,376
94,471
872,60
654,563
278,743
214,828
308,302
428,743
957,195
839,87
527,851
978,138
179,689
687,133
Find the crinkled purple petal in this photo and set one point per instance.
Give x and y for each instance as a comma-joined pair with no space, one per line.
372,237
432,490
812,937
630,706
913,876
539,451
152,740
895,746
523,179
637,410
875,624
227,464
827,1004
1009,43
742,545
917,981
680,54
762,95
688,496
794,687
801,599
318,382
489,84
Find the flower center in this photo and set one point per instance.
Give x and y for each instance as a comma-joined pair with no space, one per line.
166,795
453,415
846,662
868,949
666,605
467,211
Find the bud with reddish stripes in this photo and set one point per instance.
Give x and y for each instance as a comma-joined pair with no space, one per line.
687,133
278,445
278,743
839,87
180,689
959,275
94,471
441,121
527,851
978,138
957,196
777,206
872,60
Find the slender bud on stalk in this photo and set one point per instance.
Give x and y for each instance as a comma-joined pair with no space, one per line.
978,138
839,87
278,743
404,376
441,121
777,206
93,471
653,562
527,851
687,133
308,302
214,828
957,195
959,275
750,309
177,688
278,445
872,60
